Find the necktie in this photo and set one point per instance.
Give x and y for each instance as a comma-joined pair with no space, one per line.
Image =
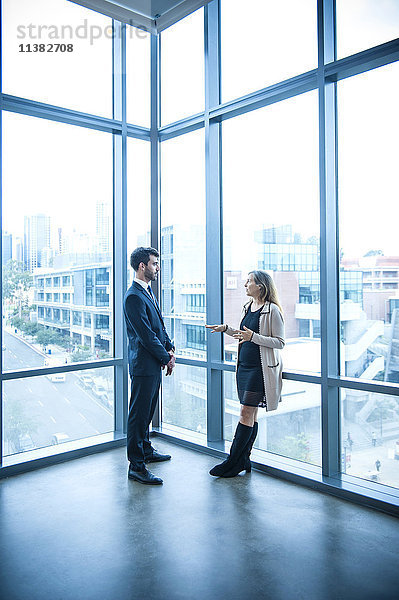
152,296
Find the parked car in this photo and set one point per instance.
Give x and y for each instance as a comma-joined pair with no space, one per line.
100,392
58,438
86,381
25,442
396,455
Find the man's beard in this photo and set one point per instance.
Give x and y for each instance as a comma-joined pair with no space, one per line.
149,275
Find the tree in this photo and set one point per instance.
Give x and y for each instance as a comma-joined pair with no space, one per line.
293,446
81,354
313,239
46,337
15,279
17,322
17,423
64,341
30,328
374,253
297,238
384,410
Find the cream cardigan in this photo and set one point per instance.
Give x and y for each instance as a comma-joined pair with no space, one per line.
270,340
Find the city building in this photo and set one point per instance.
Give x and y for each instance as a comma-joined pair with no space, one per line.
104,225
6,248
380,283
77,303
286,256
18,249
36,239
183,288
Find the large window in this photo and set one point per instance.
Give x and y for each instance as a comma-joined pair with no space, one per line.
138,198
183,90
138,55
184,400
369,248
297,178
183,240
50,47
369,438
54,409
264,41
271,219
183,275
61,228
362,24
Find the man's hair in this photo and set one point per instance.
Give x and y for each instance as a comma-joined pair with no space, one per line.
142,255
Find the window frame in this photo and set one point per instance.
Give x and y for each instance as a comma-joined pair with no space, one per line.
323,79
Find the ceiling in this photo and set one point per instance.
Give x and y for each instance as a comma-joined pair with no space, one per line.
151,15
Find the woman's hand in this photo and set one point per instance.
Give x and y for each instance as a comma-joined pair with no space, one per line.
216,328
244,336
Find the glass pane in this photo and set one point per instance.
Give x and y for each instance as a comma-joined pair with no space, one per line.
362,24
264,41
368,127
293,430
184,398
54,409
138,198
370,436
138,76
59,53
57,219
271,220
182,68
183,243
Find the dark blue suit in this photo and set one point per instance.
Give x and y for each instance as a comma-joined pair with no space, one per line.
148,352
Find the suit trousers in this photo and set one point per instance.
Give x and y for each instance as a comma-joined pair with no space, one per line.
143,400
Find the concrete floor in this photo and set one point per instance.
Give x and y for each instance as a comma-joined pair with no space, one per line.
82,531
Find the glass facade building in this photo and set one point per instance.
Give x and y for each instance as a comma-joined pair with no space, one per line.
228,157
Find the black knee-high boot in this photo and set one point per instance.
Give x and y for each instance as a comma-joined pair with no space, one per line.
247,453
251,442
237,457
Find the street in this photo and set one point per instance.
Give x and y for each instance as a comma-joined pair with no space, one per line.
363,464
41,408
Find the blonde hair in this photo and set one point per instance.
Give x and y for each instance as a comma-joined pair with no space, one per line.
268,290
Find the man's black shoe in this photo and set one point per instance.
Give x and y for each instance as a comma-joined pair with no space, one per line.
144,477
157,457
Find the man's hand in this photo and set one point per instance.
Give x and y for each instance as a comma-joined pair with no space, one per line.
171,364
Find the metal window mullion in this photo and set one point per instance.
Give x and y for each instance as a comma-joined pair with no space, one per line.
366,60
329,293
119,224
155,170
50,112
1,263
214,260
66,368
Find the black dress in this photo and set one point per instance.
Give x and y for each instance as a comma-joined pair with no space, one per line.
250,385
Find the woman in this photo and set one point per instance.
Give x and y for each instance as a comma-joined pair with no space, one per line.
259,368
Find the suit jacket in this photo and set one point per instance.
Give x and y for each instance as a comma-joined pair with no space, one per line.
148,341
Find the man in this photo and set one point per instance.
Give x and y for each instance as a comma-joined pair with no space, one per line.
150,350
